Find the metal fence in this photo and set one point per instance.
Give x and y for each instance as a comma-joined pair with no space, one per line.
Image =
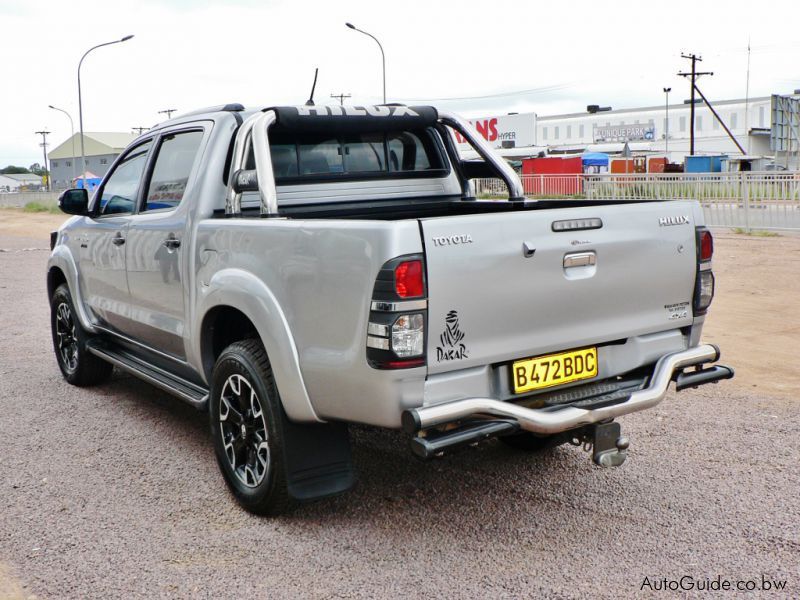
751,200
19,200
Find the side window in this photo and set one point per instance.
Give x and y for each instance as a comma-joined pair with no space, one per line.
122,188
174,162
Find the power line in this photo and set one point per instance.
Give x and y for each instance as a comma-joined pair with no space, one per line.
341,97
695,75
541,90
168,112
139,130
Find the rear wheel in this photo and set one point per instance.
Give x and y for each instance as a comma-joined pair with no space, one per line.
79,366
245,425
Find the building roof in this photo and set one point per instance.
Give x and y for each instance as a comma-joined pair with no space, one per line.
31,177
95,144
619,111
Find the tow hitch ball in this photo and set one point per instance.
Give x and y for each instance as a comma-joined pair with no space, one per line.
609,447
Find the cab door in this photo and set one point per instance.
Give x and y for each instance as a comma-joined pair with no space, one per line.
102,241
157,254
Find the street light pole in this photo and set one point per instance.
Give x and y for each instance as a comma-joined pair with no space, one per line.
383,56
80,103
72,135
667,90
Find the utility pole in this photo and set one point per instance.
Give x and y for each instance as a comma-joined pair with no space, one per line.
341,97
168,112
139,130
694,75
667,90
44,135
747,98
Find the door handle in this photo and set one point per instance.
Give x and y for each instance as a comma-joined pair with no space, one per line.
580,259
118,240
172,242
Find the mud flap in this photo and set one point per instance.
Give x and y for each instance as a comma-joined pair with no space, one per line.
610,447
318,459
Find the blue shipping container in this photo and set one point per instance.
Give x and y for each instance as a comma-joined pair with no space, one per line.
704,164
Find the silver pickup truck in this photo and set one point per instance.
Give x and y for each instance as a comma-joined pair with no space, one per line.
294,269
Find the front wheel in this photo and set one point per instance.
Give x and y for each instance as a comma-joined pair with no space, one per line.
79,366
245,426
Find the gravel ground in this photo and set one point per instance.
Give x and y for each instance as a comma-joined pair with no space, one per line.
113,492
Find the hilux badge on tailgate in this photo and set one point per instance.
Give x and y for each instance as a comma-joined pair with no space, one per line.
679,220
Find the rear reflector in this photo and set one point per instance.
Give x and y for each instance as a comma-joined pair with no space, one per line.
408,279
706,245
404,364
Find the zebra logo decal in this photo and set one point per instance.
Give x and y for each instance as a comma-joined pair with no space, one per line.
451,340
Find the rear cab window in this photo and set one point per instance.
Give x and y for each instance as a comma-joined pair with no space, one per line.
306,157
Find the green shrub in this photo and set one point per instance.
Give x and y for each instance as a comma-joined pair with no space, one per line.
37,207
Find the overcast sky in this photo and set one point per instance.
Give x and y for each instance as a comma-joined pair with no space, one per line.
493,57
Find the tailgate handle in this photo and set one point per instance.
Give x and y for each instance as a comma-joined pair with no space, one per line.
580,259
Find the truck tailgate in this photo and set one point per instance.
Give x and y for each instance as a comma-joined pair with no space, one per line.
507,286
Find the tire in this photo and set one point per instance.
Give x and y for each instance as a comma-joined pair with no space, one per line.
78,366
246,419
529,442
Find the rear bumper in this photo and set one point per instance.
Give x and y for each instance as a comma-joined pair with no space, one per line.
668,368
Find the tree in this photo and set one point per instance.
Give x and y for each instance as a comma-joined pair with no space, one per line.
37,169
12,170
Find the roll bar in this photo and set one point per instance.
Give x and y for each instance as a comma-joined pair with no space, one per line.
254,133
507,174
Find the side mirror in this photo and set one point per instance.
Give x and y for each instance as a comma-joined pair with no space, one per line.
74,202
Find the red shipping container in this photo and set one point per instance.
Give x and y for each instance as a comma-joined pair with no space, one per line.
568,171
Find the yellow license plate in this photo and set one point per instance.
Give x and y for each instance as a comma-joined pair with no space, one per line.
554,369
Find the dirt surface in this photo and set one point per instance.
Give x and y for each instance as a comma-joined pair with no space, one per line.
755,317
18,223
113,491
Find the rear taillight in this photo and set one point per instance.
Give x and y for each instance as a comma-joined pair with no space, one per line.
704,280
408,279
398,312
705,245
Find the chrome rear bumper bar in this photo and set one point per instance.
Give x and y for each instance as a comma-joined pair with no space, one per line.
569,417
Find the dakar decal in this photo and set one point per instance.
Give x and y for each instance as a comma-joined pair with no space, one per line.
452,346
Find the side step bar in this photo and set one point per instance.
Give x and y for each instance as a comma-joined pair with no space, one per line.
185,390
667,368
430,446
694,378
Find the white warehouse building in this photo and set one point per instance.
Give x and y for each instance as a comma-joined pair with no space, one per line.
645,129
654,130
